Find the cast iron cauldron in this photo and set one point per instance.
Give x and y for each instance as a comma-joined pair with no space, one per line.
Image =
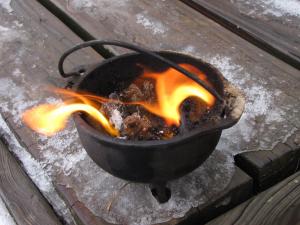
152,162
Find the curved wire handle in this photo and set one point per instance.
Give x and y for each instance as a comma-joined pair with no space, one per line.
137,49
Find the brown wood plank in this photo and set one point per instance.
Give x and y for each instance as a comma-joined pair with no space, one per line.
22,198
278,205
271,25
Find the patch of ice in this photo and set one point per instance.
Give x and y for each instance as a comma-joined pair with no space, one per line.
17,72
290,7
8,35
62,152
84,4
5,4
151,24
36,172
189,49
261,110
135,205
277,8
99,8
18,102
18,24
5,217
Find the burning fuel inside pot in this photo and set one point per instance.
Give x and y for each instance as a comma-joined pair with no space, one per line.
171,89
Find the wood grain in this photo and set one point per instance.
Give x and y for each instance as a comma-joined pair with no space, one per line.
23,199
269,167
278,205
278,35
239,190
32,40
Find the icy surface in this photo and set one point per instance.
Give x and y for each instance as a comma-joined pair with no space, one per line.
36,172
276,8
136,205
264,122
150,23
91,6
5,217
5,4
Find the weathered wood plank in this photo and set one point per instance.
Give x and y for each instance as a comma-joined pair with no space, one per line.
271,25
63,156
278,205
23,199
31,42
269,167
239,190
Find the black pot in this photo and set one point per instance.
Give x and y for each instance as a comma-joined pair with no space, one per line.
150,161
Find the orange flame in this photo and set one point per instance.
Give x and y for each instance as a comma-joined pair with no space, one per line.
49,119
172,88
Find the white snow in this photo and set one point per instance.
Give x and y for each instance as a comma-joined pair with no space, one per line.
263,115
277,8
99,8
8,35
5,4
5,217
104,8
36,172
290,7
151,24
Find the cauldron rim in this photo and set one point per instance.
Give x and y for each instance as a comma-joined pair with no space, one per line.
197,132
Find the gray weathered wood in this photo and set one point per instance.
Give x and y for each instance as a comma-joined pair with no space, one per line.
239,190
162,25
279,205
22,198
269,167
264,24
31,41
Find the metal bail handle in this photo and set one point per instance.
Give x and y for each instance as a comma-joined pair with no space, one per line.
136,49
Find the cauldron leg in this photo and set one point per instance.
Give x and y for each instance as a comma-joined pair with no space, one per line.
160,192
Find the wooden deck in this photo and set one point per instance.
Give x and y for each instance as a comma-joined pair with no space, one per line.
263,23
266,141
279,205
22,198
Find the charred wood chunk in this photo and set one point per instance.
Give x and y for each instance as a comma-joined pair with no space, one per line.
136,126
148,91
141,90
194,108
133,93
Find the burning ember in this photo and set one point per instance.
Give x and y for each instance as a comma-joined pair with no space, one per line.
154,102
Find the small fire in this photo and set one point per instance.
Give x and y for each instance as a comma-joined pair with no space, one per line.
172,88
48,119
